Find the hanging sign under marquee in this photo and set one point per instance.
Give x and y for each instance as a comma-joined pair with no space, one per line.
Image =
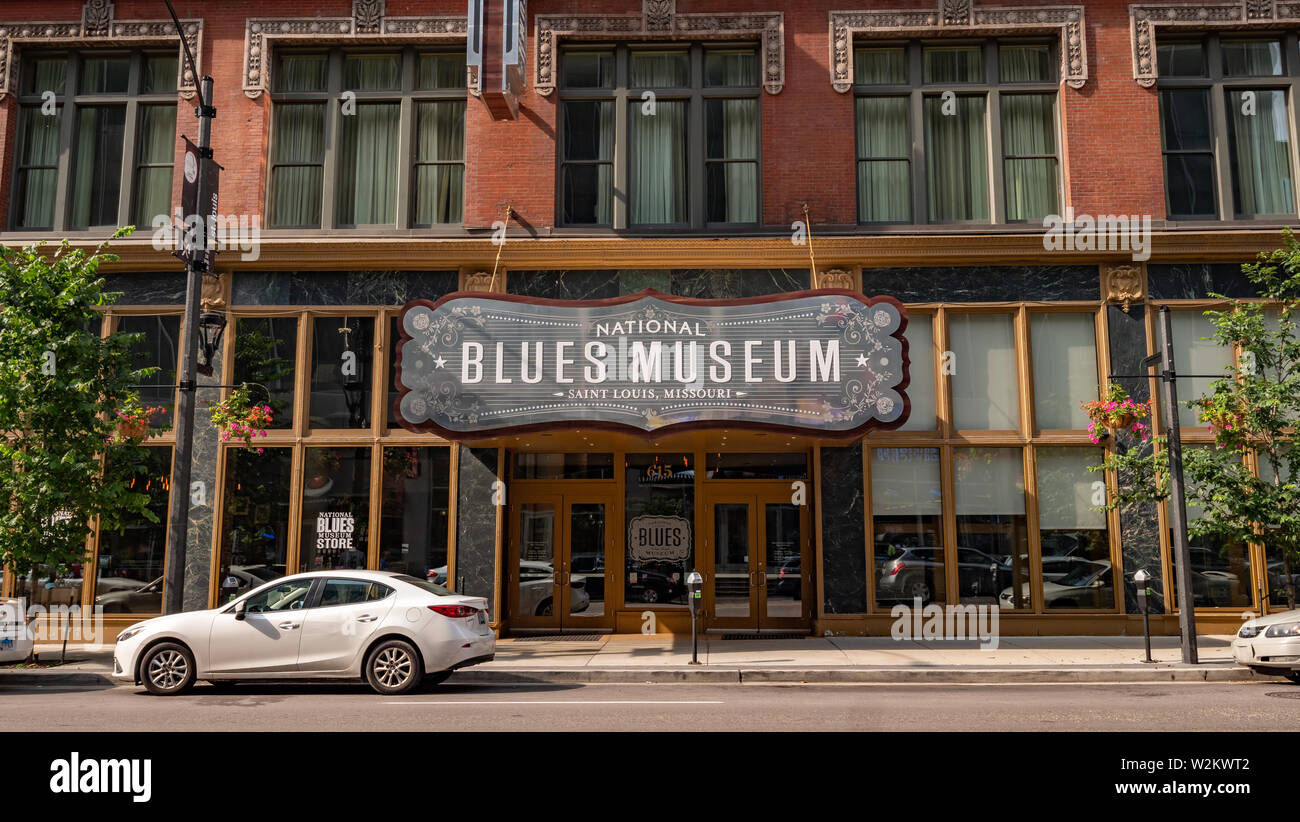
828,361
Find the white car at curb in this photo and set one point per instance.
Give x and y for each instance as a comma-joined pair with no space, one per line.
392,630
16,637
1270,645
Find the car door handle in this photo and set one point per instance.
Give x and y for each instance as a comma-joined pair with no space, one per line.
367,618
288,626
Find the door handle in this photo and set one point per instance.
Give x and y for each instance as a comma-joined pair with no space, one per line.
288,626
367,618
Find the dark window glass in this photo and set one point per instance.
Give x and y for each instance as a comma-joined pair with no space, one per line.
907,516
156,139
564,466
297,164
341,363
731,160
301,72
372,72
439,71
159,74
335,508
254,520
1189,163
439,156
351,592
97,165
38,169
952,64
105,75
1073,534
265,353
756,466
129,565
42,74
1252,58
731,67
880,66
992,530
1180,59
662,69
157,348
658,485
413,513
1030,63
587,69
588,162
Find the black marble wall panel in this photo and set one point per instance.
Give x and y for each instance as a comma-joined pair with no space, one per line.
971,284
148,289
202,493
703,284
476,523
1189,281
1138,527
340,287
844,546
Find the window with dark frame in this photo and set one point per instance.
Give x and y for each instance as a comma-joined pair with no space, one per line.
1232,92
373,138
662,136
956,132
96,140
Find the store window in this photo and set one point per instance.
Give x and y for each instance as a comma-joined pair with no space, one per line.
341,371
1280,570
921,387
266,350
1195,352
987,148
116,151
129,565
156,348
413,513
1226,126
1073,534
254,519
658,485
1064,367
335,508
404,114
774,466
564,466
907,524
1220,567
992,530
985,386
631,152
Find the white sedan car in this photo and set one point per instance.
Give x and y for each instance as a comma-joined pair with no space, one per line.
390,629
1270,645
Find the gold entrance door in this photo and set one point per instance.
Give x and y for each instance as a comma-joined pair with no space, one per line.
559,560
757,540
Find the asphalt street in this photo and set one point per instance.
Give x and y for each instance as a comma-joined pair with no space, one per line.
1240,706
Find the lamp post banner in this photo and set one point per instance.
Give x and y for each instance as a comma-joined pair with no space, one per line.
828,361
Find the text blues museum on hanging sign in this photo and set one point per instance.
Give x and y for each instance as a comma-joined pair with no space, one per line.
827,361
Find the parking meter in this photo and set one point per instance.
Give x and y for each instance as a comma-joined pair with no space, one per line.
694,592
1141,578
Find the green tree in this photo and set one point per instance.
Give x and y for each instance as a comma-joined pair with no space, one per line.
60,387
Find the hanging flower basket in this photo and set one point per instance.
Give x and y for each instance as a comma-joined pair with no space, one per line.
133,420
238,418
1117,412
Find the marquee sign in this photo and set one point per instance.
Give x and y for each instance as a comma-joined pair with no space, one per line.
829,361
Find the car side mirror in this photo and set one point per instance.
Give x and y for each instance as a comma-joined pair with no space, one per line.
241,609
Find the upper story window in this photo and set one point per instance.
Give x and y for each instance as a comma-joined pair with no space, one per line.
956,133
96,140
1226,127
367,139
660,136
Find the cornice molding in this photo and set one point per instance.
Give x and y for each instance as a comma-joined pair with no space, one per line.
659,20
97,27
1146,18
367,25
961,18
845,253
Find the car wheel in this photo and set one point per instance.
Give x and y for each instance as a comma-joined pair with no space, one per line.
545,608
1294,676
918,589
394,667
167,669
649,595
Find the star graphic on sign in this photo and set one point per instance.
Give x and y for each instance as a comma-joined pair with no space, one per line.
862,361
439,363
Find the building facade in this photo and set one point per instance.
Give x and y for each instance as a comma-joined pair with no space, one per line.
1029,181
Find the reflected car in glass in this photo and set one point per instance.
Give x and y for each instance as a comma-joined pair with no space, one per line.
1087,585
537,590
390,630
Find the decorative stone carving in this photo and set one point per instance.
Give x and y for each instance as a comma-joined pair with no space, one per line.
659,20
367,25
479,281
1145,18
961,18
835,278
97,27
1123,284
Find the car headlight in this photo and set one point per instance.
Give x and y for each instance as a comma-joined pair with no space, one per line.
1283,629
130,632
1248,631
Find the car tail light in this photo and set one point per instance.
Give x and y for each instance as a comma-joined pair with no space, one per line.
454,611
900,566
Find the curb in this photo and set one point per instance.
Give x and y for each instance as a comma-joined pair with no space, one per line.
54,678
870,676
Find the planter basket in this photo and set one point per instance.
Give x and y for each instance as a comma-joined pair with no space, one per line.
132,429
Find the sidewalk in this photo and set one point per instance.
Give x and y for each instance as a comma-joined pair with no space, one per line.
634,658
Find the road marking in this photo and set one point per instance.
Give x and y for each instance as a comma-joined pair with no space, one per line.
565,702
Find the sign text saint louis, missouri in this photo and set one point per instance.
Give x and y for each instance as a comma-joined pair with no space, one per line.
828,361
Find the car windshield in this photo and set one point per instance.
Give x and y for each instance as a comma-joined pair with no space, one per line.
424,585
1080,574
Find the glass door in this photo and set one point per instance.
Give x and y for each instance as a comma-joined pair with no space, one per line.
732,539
587,544
559,549
782,551
757,542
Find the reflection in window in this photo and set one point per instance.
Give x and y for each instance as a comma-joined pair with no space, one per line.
1280,569
335,508
907,517
342,354
1073,533
265,353
254,520
659,485
128,577
413,513
1220,567
564,466
992,531
985,392
156,349
791,466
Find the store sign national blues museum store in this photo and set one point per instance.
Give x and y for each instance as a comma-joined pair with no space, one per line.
830,361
